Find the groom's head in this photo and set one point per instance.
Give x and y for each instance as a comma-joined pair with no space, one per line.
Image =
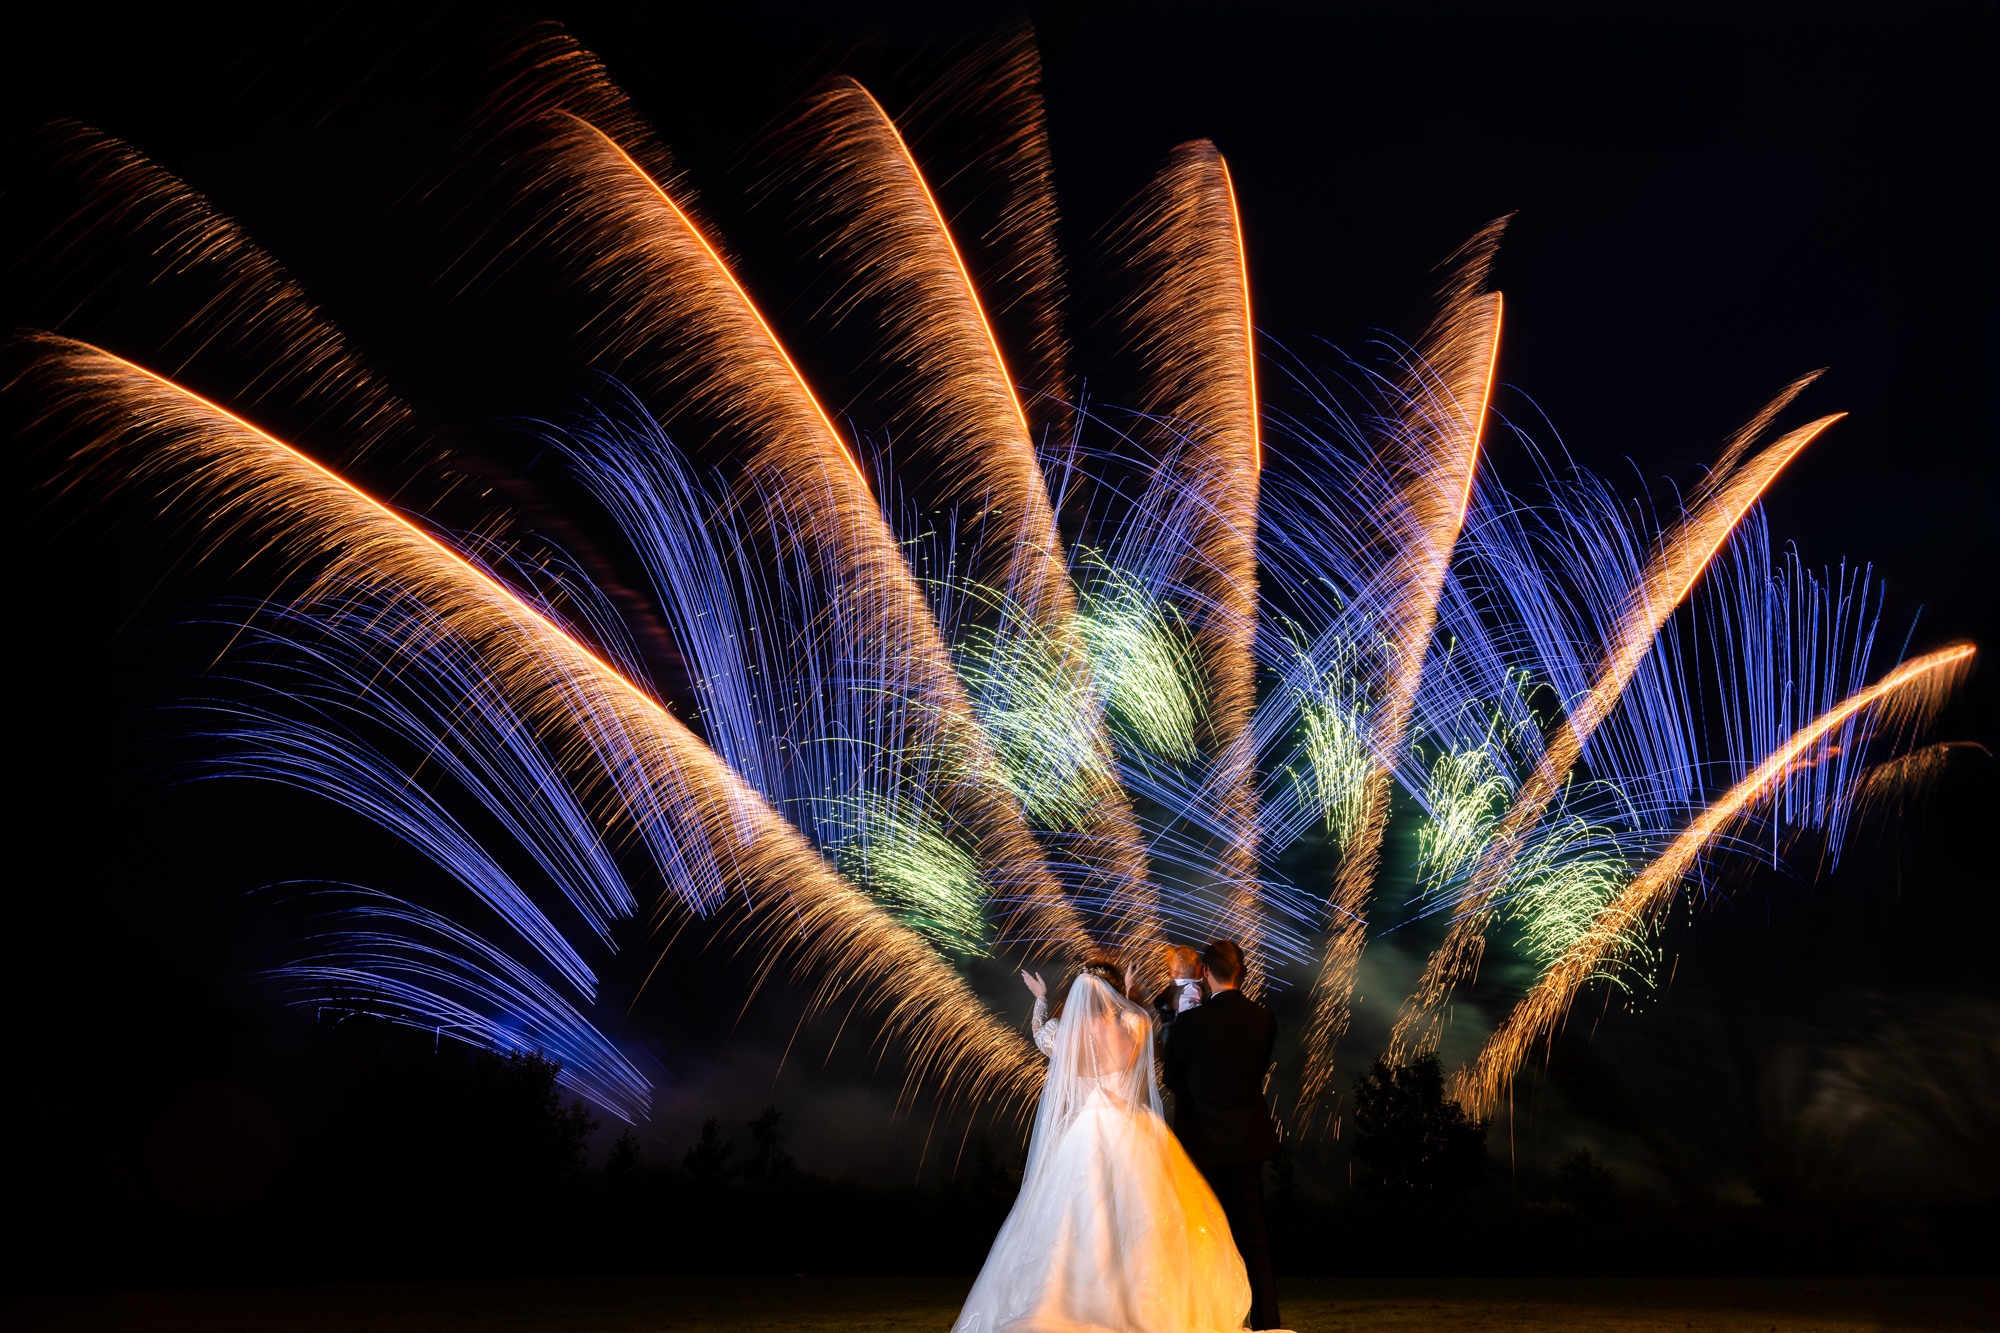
1222,964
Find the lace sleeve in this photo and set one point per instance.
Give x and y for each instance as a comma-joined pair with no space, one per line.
1044,1027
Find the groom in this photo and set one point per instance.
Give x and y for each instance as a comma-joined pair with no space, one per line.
1217,1053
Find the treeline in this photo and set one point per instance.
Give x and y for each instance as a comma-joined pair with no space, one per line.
1421,1196
457,1163
512,1190
362,1152
229,1147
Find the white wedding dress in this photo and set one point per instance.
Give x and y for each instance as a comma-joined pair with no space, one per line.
1114,1231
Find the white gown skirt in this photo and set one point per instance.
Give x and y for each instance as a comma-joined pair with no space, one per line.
1118,1234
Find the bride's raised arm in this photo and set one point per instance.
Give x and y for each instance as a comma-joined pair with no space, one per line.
1041,1024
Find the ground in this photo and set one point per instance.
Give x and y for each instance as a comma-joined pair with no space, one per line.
893,1305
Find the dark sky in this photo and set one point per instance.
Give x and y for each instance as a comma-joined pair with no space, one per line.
1710,200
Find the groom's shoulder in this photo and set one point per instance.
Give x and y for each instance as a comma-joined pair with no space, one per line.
1242,1009
1233,1002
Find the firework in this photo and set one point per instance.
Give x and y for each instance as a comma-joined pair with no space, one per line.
711,838
1190,328
1669,577
679,328
1910,689
963,436
1449,384
926,727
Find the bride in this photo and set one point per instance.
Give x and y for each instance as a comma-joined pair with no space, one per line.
1114,1229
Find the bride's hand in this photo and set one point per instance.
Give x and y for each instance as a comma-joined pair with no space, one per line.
1036,986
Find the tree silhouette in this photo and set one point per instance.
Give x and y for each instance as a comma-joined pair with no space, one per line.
456,1123
769,1162
1587,1185
626,1158
1409,1142
707,1163
511,1110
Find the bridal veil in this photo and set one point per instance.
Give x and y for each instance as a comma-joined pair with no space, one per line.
1114,1230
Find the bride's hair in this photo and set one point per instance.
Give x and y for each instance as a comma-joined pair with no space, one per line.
1107,972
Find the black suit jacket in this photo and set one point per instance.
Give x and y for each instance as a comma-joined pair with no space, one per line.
1217,1053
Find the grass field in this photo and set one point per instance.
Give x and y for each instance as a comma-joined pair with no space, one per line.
897,1305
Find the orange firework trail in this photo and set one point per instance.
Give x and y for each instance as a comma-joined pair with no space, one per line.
658,772
1189,325
965,430
1677,564
1909,690
254,312
1444,421
680,326
763,341
1894,784
992,99
958,403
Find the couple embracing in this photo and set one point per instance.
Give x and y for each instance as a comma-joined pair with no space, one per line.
1123,1226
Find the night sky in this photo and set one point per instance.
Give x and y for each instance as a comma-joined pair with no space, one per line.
1709,200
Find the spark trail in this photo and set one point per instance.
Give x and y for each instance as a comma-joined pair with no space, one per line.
965,442
1189,326
679,325
708,832
1912,688
251,312
1678,562
1449,387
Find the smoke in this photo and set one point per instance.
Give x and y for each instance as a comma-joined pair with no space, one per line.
1891,1101
1908,1112
841,1124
